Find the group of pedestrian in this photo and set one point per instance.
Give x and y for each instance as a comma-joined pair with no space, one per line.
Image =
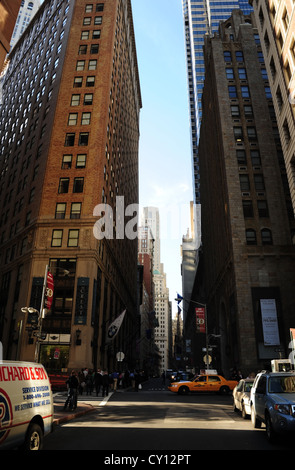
99,381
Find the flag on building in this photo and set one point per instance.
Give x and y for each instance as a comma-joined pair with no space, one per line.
49,291
115,326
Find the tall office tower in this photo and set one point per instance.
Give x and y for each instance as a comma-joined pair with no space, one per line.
151,219
201,17
249,268
276,25
8,15
68,170
26,12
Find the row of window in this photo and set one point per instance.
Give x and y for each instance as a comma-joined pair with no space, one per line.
57,238
75,212
265,233
64,184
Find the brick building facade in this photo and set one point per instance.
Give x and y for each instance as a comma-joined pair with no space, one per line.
69,142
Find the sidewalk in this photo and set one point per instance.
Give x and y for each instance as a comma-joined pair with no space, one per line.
86,404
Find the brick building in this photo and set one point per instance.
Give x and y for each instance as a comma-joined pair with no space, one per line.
69,142
8,15
247,256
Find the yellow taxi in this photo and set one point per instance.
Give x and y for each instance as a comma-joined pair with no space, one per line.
203,383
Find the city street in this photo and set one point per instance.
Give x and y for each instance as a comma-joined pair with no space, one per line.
157,420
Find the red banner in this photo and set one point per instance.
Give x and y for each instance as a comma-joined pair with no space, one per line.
49,291
200,320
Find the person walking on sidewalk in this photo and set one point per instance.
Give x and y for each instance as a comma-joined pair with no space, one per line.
73,385
105,383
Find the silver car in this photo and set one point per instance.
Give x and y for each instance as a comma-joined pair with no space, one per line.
241,397
273,403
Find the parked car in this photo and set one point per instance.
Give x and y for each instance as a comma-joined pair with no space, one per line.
241,397
272,402
203,383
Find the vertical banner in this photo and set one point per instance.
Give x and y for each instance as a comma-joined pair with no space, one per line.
115,326
269,322
200,320
49,291
81,301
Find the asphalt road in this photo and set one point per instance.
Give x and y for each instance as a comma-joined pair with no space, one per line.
156,421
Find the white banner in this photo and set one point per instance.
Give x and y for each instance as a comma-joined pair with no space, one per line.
270,322
115,326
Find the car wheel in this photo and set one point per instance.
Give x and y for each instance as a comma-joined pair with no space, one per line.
183,390
234,406
224,390
256,423
244,414
34,438
270,433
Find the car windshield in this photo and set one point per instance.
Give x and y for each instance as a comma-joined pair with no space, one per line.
283,384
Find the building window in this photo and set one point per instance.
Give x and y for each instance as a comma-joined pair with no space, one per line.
81,160
83,138
235,111
244,183
84,35
259,182
232,91
56,239
239,56
248,209
76,210
86,21
255,157
98,20
227,56
245,91
63,185
286,132
266,236
78,185
70,139
86,117
96,34
238,133
268,92
92,64
60,211
75,100
262,208
82,49
73,118
99,6
241,157
242,74
229,74
90,81
78,82
88,8
88,98
73,238
248,110
80,66
251,237
94,49
66,162
251,132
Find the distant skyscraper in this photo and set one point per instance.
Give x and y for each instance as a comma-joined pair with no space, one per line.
201,17
27,10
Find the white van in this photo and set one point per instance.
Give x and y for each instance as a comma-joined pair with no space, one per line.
26,405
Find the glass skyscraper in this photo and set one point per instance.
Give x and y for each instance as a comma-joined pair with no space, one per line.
201,17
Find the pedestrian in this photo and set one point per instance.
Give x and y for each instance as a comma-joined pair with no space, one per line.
115,380
105,383
97,381
88,380
72,384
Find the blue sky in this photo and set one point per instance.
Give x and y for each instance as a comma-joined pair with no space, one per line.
165,153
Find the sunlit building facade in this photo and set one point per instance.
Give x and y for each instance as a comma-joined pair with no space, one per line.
69,132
